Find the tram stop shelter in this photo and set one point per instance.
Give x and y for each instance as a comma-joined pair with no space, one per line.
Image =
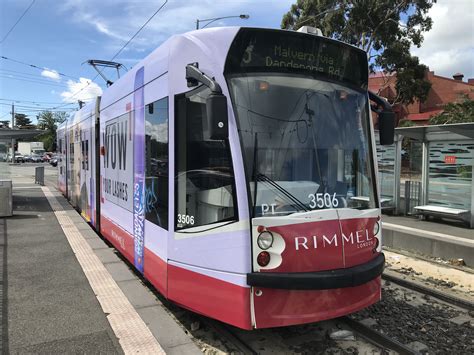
447,165
9,136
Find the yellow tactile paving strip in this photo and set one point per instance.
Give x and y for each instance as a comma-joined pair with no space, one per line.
132,333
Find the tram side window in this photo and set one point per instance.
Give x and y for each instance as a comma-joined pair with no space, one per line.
60,156
205,186
85,154
156,159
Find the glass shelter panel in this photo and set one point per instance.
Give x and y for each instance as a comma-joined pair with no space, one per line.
386,170
450,174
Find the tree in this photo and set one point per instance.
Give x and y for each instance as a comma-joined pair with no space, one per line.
22,120
385,29
48,121
462,112
5,124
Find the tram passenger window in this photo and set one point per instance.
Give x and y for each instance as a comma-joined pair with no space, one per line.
205,187
156,159
85,154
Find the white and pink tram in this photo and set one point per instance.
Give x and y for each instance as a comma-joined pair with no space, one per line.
235,168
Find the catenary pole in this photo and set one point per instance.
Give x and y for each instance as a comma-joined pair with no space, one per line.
13,139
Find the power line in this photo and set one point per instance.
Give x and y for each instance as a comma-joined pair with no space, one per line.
17,74
16,23
139,30
38,102
32,107
11,77
31,111
37,67
121,49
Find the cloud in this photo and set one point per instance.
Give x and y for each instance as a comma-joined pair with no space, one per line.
118,20
51,74
158,131
84,90
448,47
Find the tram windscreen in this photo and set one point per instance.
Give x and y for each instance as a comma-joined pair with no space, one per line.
305,139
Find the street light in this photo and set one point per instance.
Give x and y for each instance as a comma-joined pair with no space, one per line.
211,20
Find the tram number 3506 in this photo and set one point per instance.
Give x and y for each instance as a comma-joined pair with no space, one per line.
321,200
185,219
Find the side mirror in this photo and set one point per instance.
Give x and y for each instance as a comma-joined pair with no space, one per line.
216,107
386,127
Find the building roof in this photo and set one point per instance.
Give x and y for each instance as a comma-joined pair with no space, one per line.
381,74
423,116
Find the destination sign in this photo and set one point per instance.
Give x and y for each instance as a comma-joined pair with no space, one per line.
257,50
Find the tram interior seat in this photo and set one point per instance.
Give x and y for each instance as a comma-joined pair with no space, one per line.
214,204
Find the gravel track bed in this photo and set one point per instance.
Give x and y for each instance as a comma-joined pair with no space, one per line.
410,317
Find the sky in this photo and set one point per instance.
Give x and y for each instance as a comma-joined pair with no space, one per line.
58,36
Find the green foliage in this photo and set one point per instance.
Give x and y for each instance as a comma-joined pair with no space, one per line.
462,112
21,120
48,121
5,123
376,27
406,123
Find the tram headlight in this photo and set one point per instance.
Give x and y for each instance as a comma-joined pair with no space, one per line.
265,240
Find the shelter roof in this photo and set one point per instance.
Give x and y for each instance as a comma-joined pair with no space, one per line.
8,134
426,133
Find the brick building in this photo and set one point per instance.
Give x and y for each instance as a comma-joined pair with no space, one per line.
443,91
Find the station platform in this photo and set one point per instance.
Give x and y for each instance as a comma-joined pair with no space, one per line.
430,238
64,290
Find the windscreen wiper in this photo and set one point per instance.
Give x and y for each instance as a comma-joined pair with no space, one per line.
264,178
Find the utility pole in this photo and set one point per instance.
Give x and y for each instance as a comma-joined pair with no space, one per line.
13,139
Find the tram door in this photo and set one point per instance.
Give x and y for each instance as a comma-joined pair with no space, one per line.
205,187
86,168
209,250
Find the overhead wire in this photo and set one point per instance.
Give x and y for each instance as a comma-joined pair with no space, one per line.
123,47
17,21
32,107
31,81
36,102
37,67
17,74
139,30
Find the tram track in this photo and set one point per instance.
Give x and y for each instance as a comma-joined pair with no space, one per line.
429,291
227,332
377,338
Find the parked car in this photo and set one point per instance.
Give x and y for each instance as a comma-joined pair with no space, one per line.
19,158
54,161
47,157
35,158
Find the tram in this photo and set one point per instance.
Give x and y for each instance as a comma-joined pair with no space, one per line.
235,169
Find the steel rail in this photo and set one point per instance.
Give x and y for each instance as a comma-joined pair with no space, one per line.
379,339
225,331
415,286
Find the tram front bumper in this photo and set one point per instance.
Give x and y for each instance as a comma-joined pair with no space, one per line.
321,280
